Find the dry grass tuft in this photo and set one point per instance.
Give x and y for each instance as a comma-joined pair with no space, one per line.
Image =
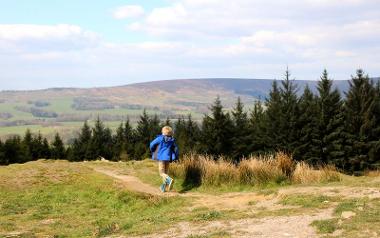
305,174
196,170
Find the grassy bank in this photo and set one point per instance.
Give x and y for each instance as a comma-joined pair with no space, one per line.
279,169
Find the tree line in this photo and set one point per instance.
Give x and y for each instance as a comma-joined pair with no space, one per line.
325,127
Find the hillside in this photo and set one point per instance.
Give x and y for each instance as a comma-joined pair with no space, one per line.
65,109
104,199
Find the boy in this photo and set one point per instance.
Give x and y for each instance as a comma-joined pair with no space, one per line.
164,150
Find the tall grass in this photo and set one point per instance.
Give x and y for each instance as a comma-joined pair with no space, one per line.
196,170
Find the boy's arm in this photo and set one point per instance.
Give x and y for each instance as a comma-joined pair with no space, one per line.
175,151
154,144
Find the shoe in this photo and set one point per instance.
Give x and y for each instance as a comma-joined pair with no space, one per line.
169,182
162,187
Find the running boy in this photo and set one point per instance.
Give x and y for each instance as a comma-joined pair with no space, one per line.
164,150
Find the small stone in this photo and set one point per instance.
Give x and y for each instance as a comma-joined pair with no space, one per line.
326,201
361,208
347,214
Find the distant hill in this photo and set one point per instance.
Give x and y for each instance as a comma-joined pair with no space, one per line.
56,108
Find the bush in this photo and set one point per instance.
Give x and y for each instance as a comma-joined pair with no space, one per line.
197,170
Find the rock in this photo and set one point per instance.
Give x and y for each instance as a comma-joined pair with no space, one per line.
347,214
361,208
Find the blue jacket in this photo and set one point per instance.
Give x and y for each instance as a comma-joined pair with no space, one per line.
164,148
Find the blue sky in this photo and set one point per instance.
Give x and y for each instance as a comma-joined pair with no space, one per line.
103,43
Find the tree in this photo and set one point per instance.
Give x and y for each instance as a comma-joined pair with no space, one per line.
101,141
330,123
15,151
143,136
259,141
307,124
273,117
359,117
36,146
288,118
45,153
192,134
118,143
129,139
3,160
240,140
217,131
57,148
80,150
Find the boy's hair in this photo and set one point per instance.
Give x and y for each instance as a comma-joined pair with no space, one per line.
167,131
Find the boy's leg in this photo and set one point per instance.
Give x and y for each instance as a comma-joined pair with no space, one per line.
169,180
162,169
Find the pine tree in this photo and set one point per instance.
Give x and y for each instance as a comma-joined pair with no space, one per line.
129,139
101,141
80,150
15,151
374,153
119,143
57,148
28,142
288,122
45,153
307,124
192,135
330,123
358,115
155,127
240,140
216,131
259,141
273,117
184,134
143,136
36,148
3,160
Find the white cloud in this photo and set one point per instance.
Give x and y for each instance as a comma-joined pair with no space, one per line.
38,38
128,11
202,38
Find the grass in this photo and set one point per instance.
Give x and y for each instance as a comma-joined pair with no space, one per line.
309,201
62,199
265,171
69,200
326,226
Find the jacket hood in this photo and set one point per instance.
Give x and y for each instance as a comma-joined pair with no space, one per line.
167,138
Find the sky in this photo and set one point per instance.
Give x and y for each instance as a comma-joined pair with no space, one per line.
93,43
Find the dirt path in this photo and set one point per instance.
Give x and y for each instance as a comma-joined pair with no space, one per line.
268,227
131,182
274,227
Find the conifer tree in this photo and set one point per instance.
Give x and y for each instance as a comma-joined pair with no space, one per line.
217,131
259,141
288,118
358,116
330,137
119,143
192,135
307,124
15,151
101,142
45,153
36,148
80,150
273,117
143,136
129,139
3,160
240,137
57,148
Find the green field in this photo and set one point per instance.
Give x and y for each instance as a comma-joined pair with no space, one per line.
95,199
